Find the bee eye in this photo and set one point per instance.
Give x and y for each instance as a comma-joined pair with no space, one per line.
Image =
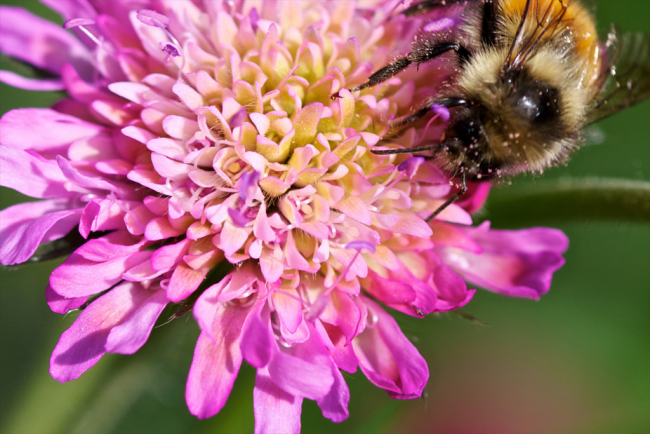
537,103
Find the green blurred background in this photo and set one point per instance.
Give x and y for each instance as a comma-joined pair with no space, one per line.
578,361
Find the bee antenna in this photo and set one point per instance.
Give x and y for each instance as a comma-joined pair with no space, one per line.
417,149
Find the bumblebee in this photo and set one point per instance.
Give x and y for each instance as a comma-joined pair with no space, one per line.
530,75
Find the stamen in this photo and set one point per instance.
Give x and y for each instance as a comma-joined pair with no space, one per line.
410,166
81,23
153,18
170,50
439,25
441,111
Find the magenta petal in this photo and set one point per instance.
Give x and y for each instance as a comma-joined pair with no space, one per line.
17,215
184,281
390,291
21,243
450,288
206,306
516,263
111,246
71,8
388,358
40,42
30,174
83,179
334,405
341,352
83,344
276,411
167,256
304,369
79,277
403,291
215,364
257,339
42,129
59,303
133,332
14,80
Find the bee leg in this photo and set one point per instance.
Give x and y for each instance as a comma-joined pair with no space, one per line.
421,112
451,200
422,53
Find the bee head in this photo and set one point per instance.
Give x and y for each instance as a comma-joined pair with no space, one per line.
512,124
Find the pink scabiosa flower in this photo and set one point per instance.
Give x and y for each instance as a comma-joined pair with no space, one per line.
201,159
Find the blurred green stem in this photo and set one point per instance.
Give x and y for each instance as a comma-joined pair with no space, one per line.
562,200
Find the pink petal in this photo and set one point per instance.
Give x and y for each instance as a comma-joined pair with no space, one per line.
160,228
85,179
79,277
206,306
271,267
289,309
101,215
40,42
30,174
43,129
188,95
141,272
82,91
304,369
276,411
342,353
334,405
134,330
14,80
257,339
409,224
71,8
389,291
167,256
183,282
215,364
82,345
261,227
388,358
242,279
16,215
60,304
232,238
168,147
445,234
516,263
294,259
355,208
21,243
453,214
450,288
168,168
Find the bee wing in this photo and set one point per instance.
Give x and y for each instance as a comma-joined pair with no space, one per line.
626,77
540,21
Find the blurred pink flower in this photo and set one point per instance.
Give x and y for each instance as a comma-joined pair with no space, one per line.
202,133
